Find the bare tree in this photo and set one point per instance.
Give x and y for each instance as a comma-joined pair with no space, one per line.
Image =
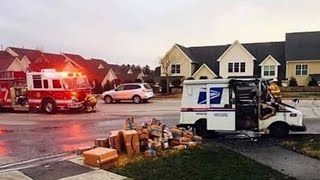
166,62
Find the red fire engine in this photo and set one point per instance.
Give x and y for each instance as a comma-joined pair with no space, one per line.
47,90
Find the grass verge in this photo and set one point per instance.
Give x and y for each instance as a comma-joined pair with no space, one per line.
308,145
207,162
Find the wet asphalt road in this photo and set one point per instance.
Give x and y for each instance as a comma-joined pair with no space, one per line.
25,136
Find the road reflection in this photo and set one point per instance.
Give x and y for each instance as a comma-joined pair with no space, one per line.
3,148
78,133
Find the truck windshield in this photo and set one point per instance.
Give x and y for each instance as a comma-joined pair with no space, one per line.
75,83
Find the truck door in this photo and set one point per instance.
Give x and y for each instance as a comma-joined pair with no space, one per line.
221,115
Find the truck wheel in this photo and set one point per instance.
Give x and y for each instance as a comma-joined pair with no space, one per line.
279,130
136,99
107,99
200,128
49,106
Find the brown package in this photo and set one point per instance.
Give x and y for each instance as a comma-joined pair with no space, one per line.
101,142
131,140
155,131
175,142
176,133
98,156
150,153
197,139
143,134
190,144
83,149
158,147
180,147
116,141
185,139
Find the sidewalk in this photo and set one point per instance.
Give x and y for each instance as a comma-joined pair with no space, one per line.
72,169
282,160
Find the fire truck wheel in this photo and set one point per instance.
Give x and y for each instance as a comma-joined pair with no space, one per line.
279,129
136,99
107,99
49,106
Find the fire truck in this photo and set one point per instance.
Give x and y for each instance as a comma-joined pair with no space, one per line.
47,90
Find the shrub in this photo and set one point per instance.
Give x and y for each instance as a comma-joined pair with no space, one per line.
107,86
190,78
138,81
293,82
203,77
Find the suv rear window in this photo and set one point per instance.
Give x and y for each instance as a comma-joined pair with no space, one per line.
147,86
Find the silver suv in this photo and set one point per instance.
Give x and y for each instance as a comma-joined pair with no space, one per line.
137,92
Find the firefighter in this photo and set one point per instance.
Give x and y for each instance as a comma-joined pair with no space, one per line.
275,90
91,102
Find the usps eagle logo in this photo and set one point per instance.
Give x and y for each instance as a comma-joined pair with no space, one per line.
215,95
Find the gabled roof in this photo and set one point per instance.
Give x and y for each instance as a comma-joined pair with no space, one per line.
4,53
269,57
55,61
76,58
31,54
204,66
232,45
210,54
302,46
6,60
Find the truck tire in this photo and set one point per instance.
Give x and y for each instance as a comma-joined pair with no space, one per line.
279,129
200,128
108,99
49,106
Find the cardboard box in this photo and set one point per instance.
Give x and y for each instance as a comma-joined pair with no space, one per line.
101,142
143,134
180,147
175,142
98,156
155,131
150,153
158,147
176,133
83,149
190,144
131,140
185,139
116,141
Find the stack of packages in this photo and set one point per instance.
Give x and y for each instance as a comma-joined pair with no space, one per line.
150,138
156,136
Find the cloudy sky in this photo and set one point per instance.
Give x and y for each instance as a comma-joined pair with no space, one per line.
140,31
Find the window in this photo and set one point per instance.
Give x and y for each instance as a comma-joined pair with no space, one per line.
301,69
45,84
230,67
269,70
56,84
147,86
37,81
120,88
131,87
237,67
175,68
242,67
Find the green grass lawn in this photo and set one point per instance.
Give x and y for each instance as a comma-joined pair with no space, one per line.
306,144
207,162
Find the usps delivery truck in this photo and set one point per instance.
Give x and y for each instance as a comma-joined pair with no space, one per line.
236,104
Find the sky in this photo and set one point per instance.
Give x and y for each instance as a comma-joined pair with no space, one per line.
141,31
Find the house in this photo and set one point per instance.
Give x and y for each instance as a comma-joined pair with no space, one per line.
10,63
297,57
303,56
233,60
26,56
